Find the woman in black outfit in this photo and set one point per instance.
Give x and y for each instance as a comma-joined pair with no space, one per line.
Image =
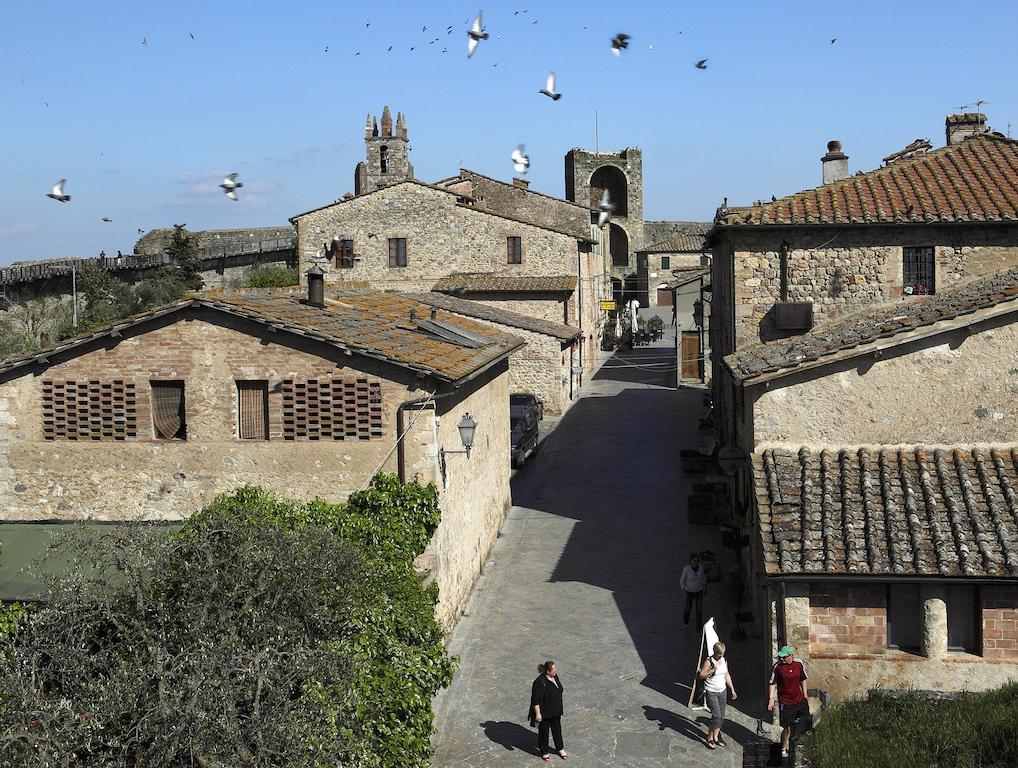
546,710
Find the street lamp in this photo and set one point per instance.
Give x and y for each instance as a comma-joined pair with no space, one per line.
467,429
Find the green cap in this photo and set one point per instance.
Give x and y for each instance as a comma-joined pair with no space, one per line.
786,651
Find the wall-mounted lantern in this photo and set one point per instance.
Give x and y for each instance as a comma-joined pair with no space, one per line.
467,429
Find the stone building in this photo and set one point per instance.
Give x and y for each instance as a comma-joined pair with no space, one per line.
863,339
154,416
388,154
882,499
545,366
660,267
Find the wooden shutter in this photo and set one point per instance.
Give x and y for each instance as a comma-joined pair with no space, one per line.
252,410
397,251
514,246
168,409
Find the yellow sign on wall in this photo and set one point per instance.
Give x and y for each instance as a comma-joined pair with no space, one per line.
607,306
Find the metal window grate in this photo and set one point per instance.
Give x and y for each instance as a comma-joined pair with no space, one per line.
397,251
919,270
514,246
332,409
89,410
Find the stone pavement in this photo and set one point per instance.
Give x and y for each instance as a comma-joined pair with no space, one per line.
586,572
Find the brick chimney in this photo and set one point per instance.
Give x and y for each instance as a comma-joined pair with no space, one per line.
960,126
834,163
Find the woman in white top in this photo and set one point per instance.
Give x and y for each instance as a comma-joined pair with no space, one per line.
716,682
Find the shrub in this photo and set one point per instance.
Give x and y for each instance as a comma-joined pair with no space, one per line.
910,730
272,276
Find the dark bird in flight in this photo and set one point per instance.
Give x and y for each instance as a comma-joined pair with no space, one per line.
701,64
191,34
620,41
834,40
107,219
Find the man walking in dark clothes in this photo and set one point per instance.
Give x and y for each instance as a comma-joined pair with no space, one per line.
546,710
693,582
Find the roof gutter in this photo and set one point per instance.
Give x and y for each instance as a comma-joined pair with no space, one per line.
888,578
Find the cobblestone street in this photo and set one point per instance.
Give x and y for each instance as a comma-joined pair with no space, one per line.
586,572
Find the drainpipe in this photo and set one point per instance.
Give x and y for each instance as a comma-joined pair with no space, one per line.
579,303
785,248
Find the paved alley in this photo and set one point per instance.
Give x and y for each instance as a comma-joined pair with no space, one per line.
586,573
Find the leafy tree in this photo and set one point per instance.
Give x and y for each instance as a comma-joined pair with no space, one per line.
165,287
106,298
27,325
183,250
264,632
273,276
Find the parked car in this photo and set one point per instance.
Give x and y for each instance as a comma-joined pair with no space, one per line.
528,399
523,420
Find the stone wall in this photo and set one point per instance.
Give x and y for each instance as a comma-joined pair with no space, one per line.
958,388
840,630
848,269
156,241
652,273
544,306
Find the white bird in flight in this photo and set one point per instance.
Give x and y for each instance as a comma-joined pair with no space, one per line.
231,185
606,207
549,88
521,163
58,192
476,33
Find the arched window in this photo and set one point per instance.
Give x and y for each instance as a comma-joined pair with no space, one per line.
383,158
614,180
618,245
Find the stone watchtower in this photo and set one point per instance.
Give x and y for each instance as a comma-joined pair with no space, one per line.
621,173
387,153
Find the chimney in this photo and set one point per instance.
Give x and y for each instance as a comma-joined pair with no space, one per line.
835,163
960,126
316,287
522,183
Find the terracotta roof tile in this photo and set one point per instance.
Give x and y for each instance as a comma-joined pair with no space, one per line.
482,282
889,511
496,315
362,320
974,180
884,321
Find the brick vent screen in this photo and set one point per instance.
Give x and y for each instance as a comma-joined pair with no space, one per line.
332,409
89,410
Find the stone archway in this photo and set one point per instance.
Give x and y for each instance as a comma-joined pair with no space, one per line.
614,180
618,245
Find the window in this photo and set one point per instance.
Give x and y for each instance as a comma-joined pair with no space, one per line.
904,617
168,421
253,410
383,159
964,619
514,247
666,262
342,252
88,410
918,271
332,409
397,251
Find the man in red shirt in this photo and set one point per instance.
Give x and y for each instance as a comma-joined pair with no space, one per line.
788,690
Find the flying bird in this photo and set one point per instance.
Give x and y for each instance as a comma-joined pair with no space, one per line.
326,49
390,48
107,219
144,41
141,231
424,28
606,206
834,40
191,34
57,192
620,41
230,185
549,88
701,64
521,162
476,34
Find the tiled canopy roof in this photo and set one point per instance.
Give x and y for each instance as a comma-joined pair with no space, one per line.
975,180
864,327
477,282
693,240
889,511
496,315
359,319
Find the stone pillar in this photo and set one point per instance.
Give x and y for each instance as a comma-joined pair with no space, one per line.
934,622
796,605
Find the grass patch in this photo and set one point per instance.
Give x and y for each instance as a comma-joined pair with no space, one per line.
910,730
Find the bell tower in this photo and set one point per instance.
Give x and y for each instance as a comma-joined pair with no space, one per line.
387,154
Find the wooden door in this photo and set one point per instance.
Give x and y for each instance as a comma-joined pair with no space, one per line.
664,297
690,353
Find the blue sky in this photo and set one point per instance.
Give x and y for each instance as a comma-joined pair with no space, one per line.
144,133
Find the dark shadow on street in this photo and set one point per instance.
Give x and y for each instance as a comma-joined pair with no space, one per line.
511,735
681,725
640,365
631,536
